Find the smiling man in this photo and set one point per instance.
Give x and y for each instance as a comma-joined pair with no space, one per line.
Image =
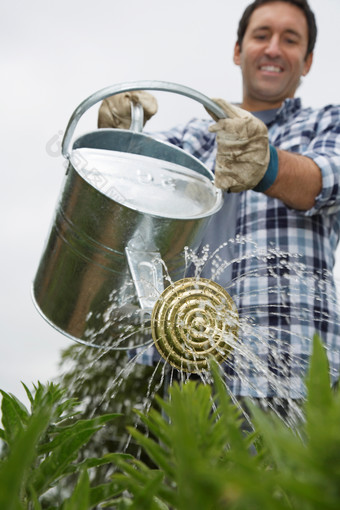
274,240
274,50
273,54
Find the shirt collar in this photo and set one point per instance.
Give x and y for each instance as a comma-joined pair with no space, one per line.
267,116
289,107
279,115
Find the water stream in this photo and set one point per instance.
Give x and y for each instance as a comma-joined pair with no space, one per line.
262,362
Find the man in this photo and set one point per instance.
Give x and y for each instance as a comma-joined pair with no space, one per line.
280,168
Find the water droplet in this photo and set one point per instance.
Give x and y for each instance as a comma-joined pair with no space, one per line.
169,183
144,177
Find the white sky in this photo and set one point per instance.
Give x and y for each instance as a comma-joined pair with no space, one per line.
54,55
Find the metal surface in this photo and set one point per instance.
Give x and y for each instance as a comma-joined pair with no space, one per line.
193,320
137,118
111,202
147,273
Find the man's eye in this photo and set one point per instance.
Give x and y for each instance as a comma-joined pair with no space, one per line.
290,41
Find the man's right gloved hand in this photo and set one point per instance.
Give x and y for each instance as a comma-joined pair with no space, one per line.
244,156
115,111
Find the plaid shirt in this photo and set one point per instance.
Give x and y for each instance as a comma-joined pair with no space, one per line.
277,263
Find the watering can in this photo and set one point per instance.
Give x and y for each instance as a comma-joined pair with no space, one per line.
129,206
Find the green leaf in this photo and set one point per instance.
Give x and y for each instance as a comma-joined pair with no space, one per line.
65,450
136,475
104,492
320,398
80,497
110,458
14,416
28,393
156,424
68,432
34,499
121,503
55,465
16,468
318,379
106,459
285,447
145,496
155,451
230,415
32,467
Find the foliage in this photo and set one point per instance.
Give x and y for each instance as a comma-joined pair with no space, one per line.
41,448
202,456
205,461
105,382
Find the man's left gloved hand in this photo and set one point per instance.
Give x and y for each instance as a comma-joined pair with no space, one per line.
244,160
115,111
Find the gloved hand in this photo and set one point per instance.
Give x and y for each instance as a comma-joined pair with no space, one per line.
115,111
243,151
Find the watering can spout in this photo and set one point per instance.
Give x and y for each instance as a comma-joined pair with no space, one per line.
147,273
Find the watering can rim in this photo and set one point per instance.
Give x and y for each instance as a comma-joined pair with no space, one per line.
126,133
218,193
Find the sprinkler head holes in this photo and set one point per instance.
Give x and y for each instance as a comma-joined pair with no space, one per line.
194,320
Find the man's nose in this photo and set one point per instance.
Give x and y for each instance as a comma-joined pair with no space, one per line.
273,48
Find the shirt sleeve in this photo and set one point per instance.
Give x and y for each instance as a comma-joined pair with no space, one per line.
324,150
192,137
174,136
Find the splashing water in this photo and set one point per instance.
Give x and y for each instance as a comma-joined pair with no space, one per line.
267,359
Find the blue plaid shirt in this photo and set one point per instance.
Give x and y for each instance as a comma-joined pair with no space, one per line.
276,262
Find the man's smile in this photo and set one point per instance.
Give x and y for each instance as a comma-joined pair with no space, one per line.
271,68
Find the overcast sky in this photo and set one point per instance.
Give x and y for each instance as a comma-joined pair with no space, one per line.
54,55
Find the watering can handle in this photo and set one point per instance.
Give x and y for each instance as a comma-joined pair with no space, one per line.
129,86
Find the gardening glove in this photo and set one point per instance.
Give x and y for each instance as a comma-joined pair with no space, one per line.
244,159
115,111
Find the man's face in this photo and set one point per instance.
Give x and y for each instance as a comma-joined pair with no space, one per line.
273,55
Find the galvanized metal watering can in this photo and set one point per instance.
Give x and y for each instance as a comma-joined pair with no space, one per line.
129,206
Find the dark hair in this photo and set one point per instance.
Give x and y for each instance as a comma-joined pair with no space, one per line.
301,4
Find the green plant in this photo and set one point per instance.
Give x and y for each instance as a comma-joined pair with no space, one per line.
202,457
105,382
41,447
205,462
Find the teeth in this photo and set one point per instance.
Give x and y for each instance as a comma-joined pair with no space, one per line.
271,68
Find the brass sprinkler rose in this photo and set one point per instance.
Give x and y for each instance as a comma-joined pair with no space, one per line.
193,320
